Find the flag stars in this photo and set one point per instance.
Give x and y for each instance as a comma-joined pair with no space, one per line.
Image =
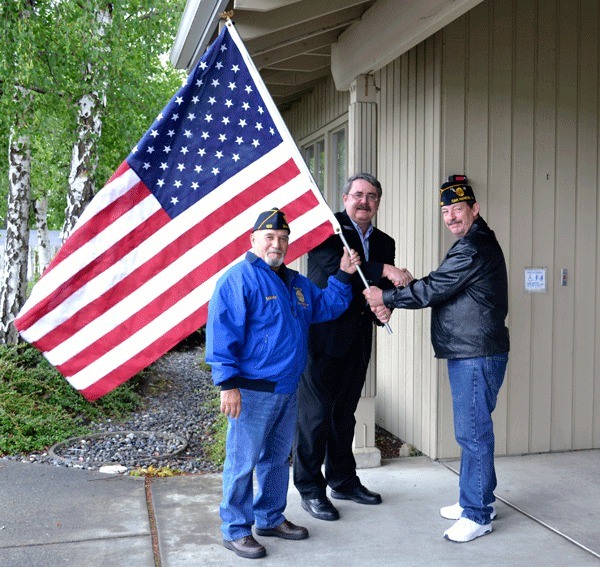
191,116
215,83
171,133
180,166
198,169
153,133
261,110
164,166
225,120
232,86
259,126
215,171
208,118
223,48
167,149
212,100
174,200
245,106
179,100
150,149
228,103
195,100
239,140
199,82
235,68
248,89
235,157
187,134
146,165
177,184
242,123
222,137
184,150
195,185
203,65
219,154
160,182
175,117
201,152
219,65
255,143
159,117
205,135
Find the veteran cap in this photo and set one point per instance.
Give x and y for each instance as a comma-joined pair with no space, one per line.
273,219
456,190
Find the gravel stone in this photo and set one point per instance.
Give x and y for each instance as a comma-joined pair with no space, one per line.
170,431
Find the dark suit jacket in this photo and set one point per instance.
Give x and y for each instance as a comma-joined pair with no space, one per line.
335,337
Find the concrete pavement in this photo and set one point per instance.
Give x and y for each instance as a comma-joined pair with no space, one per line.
548,514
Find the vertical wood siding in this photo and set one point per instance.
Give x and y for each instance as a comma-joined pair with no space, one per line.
509,95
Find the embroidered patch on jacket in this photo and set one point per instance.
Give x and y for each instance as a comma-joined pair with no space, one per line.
300,297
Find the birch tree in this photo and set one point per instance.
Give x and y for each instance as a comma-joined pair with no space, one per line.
16,250
91,106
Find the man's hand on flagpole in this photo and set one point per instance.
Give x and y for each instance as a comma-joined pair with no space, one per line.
350,261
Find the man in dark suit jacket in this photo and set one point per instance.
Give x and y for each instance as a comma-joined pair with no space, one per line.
339,353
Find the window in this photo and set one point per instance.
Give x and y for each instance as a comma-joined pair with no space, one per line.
326,158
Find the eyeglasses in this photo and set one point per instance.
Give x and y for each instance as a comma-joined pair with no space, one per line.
371,197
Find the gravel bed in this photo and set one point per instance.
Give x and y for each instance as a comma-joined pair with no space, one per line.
171,431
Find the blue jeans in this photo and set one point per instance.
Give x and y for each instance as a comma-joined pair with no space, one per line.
259,439
475,383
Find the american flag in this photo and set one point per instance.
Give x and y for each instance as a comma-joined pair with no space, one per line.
136,274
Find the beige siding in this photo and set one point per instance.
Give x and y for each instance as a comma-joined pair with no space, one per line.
509,95
409,134
316,109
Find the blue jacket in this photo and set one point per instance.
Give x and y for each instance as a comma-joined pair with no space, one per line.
257,328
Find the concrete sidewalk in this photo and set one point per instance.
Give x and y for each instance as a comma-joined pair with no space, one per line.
548,514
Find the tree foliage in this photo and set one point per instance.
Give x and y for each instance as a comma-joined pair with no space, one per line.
46,47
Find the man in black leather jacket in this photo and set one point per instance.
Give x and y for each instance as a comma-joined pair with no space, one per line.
468,295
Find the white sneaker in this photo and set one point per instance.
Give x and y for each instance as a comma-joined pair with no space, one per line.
466,530
455,511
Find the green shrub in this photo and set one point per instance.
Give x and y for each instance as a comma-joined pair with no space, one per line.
38,407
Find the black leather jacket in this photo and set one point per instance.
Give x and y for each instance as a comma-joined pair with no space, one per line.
468,295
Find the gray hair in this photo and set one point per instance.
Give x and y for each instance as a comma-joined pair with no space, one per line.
368,178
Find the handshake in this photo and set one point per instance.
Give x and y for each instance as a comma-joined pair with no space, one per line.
374,295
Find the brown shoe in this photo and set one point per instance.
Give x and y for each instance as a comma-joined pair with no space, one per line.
285,530
246,547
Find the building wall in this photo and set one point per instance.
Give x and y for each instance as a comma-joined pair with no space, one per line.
507,94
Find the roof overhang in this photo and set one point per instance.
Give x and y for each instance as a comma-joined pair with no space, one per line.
296,43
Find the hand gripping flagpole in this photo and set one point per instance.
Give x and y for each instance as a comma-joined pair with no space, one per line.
362,276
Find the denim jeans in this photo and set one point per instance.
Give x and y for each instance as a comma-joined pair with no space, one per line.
260,440
475,383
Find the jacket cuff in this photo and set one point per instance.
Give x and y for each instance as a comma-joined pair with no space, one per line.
230,383
344,277
388,298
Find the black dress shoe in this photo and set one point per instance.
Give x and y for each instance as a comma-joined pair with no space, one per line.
359,494
320,508
246,547
285,530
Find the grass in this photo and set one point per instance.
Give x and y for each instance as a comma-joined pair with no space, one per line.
38,407
215,451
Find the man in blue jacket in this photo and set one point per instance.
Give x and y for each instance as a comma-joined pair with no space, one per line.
256,343
468,296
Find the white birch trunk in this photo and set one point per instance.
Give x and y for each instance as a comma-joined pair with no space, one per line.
84,157
14,272
41,223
